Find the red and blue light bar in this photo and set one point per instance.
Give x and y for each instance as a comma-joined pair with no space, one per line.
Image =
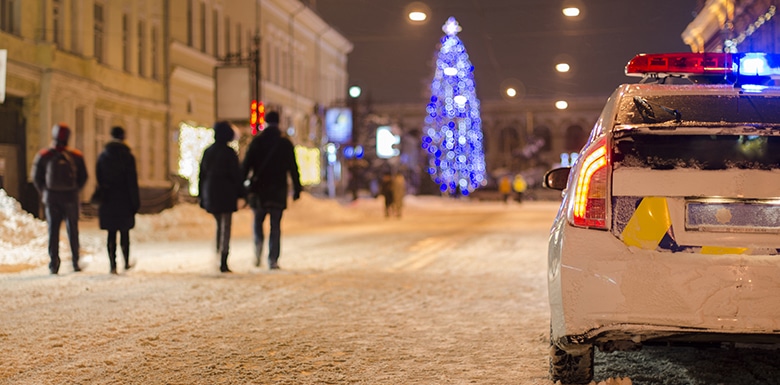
708,64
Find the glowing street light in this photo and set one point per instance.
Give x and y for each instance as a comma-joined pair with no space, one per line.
417,16
511,92
571,11
355,91
561,105
417,12
562,67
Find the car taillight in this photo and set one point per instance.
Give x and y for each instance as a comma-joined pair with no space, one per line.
590,194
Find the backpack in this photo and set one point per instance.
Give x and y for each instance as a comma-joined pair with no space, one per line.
61,172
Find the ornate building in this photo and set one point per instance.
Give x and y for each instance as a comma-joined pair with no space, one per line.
149,66
734,26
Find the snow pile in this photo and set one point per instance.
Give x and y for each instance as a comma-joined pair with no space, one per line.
23,238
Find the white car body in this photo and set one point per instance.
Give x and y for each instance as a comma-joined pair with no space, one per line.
685,253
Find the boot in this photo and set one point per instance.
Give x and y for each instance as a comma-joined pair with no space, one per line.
126,254
112,261
223,267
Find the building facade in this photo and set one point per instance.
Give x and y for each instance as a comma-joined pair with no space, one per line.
734,26
149,66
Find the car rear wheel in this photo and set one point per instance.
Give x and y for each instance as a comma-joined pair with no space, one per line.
573,365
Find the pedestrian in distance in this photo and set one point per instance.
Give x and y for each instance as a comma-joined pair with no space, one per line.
59,174
117,180
220,185
269,160
399,191
386,190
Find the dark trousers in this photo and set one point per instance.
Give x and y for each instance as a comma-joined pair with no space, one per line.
58,210
223,232
125,244
274,246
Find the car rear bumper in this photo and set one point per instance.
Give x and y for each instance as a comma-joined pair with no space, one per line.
602,285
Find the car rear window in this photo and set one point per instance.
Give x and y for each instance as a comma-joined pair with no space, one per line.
743,108
707,152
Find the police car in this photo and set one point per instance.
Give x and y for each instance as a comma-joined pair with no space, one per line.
669,228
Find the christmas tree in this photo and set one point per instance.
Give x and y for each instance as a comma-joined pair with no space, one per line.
452,134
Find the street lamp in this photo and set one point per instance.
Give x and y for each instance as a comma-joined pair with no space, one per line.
355,91
417,12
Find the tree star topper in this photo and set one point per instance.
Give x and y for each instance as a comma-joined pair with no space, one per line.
451,27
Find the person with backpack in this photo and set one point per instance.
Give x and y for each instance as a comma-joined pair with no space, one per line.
120,199
59,173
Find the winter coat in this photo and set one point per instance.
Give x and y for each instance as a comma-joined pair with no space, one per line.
38,173
118,179
220,183
271,175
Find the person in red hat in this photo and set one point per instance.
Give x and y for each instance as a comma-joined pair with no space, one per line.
59,174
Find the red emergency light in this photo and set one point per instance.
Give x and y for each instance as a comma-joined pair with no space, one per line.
686,63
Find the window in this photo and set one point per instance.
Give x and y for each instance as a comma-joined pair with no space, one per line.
203,27
7,16
98,15
190,21
76,44
227,35
155,53
215,32
238,39
126,42
141,48
56,22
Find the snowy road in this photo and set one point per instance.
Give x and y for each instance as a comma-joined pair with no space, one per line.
452,293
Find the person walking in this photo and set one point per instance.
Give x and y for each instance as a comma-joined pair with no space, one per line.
269,160
59,174
386,190
117,180
399,191
220,185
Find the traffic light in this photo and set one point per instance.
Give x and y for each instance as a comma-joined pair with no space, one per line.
257,116
253,117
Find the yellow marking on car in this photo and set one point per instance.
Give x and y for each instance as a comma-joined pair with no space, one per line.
648,225
723,250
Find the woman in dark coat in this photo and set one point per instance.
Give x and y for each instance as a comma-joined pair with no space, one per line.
118,181
221,185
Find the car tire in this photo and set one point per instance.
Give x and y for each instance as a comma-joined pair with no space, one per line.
573,365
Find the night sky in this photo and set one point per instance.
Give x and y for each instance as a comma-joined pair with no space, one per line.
508,41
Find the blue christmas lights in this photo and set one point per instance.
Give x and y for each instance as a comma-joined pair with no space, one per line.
452,135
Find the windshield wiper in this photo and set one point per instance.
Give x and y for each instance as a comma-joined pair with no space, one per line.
647,110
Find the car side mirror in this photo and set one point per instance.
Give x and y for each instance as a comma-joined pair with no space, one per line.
556,178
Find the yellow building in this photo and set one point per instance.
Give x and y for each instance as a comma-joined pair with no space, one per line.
149,66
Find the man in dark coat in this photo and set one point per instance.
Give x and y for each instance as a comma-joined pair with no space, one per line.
220,185
62,202
268,161
118,180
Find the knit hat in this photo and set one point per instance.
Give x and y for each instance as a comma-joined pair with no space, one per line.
60,133
118,133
